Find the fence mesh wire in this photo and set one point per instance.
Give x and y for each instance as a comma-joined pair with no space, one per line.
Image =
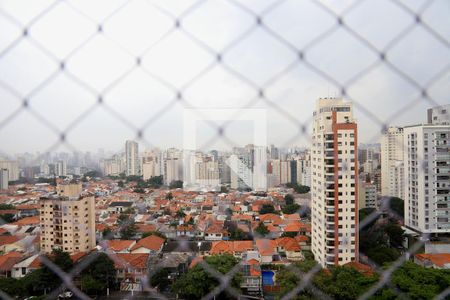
23,27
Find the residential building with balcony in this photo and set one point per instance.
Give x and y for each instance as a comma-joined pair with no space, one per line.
427,178
334,183
67,223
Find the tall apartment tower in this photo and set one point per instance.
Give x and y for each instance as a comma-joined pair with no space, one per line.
4,177
61,168
68,224
132,158
334,183
392,171
427,178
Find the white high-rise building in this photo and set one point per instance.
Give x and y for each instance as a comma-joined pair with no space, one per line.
61,168
13,169
132,165
113,166
304,170
334,183
427,178
392,150
152,164
4,179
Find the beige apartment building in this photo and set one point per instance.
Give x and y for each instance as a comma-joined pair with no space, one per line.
68,223
334,183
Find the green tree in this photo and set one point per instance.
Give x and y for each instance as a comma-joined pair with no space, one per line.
395,234
91,286
107,233
176,184
7,218
155,181
197,282
420,283
236,234
344,282
397,205
262,229
12,287
180,213
127,225
160,279
224,189
302,189
290,209
4,206
169,196
99,275
267,209
289,199
121,184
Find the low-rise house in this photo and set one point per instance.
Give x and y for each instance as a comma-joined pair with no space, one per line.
119,206
152,244
28,210
186,230
119,246
433,260
130,268
289,247
6,241
7,262
25,266
235,248
215,232
251,282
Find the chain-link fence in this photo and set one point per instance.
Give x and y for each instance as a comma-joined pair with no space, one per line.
123,67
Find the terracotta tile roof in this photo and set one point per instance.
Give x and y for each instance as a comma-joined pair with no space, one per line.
297,226
151,242
119,245
231,246
77,256
301,238
27,206
8,239
255,269
7,261
266,247
215,228
8,211
196,261
27,221
438,259
242,217
36,263
288,243
362,268
295,216
276,219
145,227
130,260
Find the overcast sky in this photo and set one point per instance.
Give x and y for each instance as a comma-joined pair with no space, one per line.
144,97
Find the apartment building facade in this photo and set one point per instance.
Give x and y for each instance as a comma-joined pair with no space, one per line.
68,224
427,178
392,168
334,183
